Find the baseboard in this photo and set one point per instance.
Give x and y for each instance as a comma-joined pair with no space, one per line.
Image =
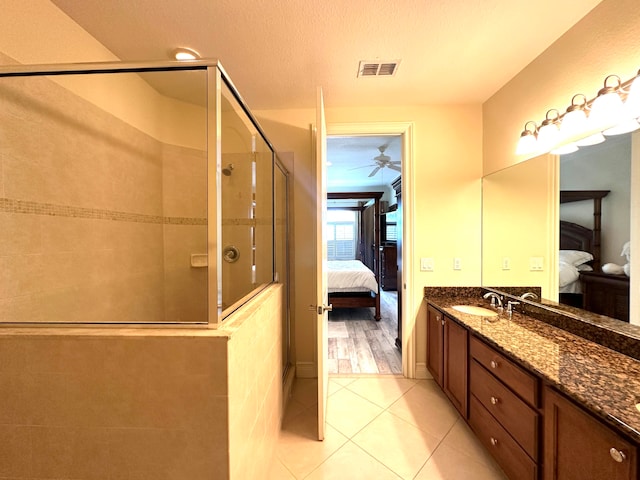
421,371
306,370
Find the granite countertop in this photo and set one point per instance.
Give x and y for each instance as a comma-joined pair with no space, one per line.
602,380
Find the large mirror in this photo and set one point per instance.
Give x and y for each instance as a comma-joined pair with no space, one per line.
541,214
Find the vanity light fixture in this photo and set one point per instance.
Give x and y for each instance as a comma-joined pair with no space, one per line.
184,53
632,105
574,122
549,132
607,106
528,142
615,110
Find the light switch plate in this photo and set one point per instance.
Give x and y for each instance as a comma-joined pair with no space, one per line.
457,263
506,263
536,264
426,264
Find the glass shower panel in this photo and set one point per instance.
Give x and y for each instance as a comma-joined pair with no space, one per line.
246,205
103,198
281,255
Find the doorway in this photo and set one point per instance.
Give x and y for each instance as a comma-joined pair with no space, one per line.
384,155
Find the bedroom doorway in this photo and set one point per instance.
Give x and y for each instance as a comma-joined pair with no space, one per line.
370,158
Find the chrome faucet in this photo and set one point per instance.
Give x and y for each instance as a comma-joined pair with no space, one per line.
531,295
510,305
496,301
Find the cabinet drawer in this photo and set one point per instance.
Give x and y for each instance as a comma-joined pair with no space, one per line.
515,377
520,420
513,460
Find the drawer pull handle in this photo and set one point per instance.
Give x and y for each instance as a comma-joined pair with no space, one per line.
494,400
617,455
494,441
494,364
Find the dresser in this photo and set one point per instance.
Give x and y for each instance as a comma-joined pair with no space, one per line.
606,294
388,266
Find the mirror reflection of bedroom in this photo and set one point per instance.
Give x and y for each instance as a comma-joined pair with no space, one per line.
595,195
364,245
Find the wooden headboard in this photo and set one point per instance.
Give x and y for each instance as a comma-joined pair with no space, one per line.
374,252
577,237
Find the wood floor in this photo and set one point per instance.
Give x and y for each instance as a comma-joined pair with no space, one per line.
359,344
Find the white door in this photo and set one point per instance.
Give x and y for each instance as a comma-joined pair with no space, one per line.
321,264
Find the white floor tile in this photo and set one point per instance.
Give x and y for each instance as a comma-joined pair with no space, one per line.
399,428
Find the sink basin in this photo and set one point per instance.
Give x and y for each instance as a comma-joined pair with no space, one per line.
474,310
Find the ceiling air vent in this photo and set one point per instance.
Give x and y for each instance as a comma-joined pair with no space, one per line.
378,69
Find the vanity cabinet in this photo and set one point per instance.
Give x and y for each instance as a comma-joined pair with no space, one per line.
578,446
532,430
503,410
447,357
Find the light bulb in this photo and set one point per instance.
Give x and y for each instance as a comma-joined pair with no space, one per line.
632,104
549,132
528,142
607,107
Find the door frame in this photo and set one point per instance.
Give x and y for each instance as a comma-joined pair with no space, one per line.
405,130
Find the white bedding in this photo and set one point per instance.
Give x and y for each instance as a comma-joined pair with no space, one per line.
350,276
569,277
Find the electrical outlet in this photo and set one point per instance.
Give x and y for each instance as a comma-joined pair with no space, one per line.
506,263
457,263
536,264
426,264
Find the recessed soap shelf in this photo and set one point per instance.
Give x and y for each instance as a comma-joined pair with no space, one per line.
199,260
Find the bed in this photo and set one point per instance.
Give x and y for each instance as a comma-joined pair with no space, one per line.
352,285
363,293
580,247
576,255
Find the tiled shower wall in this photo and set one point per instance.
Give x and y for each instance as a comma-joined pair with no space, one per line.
95,215
184,198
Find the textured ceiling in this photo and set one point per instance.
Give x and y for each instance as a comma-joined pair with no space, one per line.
278,51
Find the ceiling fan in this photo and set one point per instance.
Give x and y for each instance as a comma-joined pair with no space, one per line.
383,161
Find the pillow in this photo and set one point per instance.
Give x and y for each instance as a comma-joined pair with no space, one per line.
575,257
568,273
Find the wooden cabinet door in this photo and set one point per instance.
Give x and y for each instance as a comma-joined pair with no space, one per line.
578,447
435,351
456,364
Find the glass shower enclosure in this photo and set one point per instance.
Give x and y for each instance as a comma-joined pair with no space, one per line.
134,194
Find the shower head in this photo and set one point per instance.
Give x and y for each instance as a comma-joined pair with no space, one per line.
227,170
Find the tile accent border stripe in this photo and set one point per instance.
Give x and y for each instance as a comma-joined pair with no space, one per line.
9,205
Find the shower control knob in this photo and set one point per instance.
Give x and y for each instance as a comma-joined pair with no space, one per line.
230,254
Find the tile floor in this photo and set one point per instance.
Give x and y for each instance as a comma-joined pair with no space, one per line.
379,427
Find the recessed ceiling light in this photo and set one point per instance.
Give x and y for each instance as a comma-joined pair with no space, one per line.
184,53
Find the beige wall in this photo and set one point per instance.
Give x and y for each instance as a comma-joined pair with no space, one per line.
604,42
100,404
517,224
255,383
143,403
446,203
